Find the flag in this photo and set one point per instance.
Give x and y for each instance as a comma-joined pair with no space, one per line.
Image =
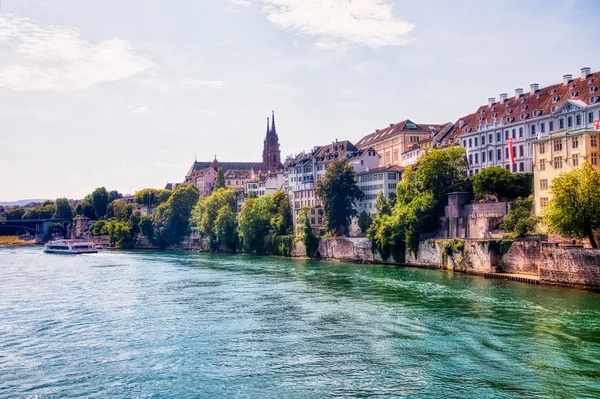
597,124
510,151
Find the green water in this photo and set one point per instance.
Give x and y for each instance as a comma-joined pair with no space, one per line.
161,325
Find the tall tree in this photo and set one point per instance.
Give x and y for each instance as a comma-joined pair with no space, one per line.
114,195
220,180
206,210
225,227
147,197
282,221
383,205
64,210
255,223
99,199
574,209
306,233
86,208
172,219
163,196
15,213
519,221
339,192
494,180
46,211
120,210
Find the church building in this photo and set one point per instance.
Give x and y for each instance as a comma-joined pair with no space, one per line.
203,174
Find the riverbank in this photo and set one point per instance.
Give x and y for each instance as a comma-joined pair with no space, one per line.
14,240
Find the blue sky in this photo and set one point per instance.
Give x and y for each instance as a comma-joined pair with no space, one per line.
124,93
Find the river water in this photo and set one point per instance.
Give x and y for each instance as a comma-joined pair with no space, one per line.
166,325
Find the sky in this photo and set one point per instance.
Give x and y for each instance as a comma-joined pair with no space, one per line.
126,93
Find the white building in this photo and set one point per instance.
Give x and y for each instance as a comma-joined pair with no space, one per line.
377,180
572,104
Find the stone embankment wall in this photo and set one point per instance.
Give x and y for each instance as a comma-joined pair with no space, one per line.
576,267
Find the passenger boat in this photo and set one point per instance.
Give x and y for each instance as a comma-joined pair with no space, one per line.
71,247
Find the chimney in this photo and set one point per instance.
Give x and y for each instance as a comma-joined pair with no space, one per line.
585,71
391,125
503,97
534,87
567,78
491,101
461,123
518,92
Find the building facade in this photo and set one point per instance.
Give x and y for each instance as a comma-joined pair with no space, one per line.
561,152
373,181
502,132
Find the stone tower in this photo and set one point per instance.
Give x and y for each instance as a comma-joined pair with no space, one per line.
271,152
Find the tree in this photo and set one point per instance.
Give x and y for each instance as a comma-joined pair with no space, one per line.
100,228
519,221
120,210
134,221
255,222
86,208
99,199
46,211
364,221
120,235
15,213
282,222
225,227
383,205
220,180
147,197
172,219
339,192
494,180
64,210
574,209
206,210
147,227
114,195
306,233
163,196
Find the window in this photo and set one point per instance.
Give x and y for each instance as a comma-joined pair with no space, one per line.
533,130
590,117
506,153
490,138
476,158
465,143
542,165
578,120
575,160
544,184
569,122
470,143
475,141
542,148
575,141
470,159
594,159
490,156
498,154
557,162
483,157
396,156
506,135
543,202
497,137
561,123
594,141
482,140
507,167
514,167
514,149
514,133
521,167
542,127
551,126
521,151
520,132
558,145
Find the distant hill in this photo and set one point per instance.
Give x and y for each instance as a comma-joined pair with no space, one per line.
20,202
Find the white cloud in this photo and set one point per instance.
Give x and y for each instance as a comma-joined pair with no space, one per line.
138,109
280,86
244,3
209,84
57,58
340,24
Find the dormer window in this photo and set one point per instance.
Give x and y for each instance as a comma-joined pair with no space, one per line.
495,115
481,118
510,119
553,108
554,91
482,111
509,111
537,112
574,93
555,98
593,89
590,80
594,99
524,116
524,107
572,85
523,99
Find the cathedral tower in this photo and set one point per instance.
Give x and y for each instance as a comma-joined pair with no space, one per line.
271,152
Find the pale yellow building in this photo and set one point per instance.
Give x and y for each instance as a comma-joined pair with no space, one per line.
561,152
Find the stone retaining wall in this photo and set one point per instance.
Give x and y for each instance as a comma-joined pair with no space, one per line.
576,267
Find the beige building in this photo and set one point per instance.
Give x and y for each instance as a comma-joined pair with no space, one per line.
396,139
561,152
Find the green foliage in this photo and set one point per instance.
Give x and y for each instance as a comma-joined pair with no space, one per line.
120,210
451,247
383,205
306,233
100,228
46,211
146,197
86,208
99,199
365,220
574,209
496,181
15,213
207,209
172,219
120,235
163,196
339,192
279,245
519,222
135,221
523,185
147,226
282,221
114,195
220,180
500,247
255,222
226,227
63,209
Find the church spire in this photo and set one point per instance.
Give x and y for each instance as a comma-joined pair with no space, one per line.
273,130
268,126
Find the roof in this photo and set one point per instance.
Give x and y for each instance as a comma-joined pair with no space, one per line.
238,174
227,166
406,126
335,150
527,106
383,169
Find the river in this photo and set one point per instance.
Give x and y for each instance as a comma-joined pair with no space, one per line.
182,325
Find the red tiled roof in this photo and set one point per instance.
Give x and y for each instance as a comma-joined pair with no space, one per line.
406,126
383,169
530,105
